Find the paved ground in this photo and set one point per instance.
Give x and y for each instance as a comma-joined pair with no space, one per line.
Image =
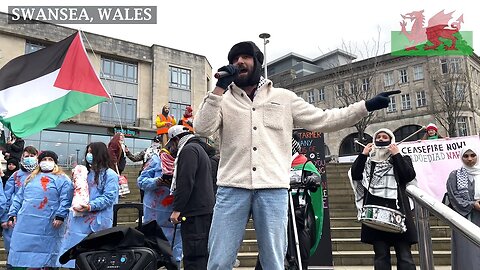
357,268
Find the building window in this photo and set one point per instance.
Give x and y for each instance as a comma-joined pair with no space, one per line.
340,90
460,92
392,106
33,47
70,146
403,76
388,78
365,84
349,147
406,104
455,65
177,110
321,94
417,73
126,107
444,66
311,96
180,78
462,126
353,87
406,131
421,99
180,95
119,70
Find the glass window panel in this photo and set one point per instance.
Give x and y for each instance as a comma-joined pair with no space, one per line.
33,143
78,138
142,144
35,136
118,69
100,138
72,154
107,66
61,149
54,136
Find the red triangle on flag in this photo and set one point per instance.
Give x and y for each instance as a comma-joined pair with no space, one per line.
77,73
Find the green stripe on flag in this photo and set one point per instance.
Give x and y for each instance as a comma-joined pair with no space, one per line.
464,45
50,114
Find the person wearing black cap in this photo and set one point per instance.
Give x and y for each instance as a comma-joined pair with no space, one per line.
37,213
12,166
255,122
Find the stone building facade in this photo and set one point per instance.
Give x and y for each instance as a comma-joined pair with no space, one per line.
141,80
421,80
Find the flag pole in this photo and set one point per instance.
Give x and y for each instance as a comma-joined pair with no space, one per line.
101,72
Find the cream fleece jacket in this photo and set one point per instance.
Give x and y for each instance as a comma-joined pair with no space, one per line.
255,137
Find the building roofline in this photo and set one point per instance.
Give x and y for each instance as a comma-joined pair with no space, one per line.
93,34
336,51
293,55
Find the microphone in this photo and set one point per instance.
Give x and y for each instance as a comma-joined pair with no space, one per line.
221,74
226,71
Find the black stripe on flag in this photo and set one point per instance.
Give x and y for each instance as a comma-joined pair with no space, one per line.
34,65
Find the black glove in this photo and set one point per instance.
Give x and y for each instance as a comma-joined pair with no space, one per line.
380,101
225,81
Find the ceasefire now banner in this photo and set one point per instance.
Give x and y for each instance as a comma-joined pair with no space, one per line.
433,161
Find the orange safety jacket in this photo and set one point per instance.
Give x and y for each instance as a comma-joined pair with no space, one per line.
185,123
161,120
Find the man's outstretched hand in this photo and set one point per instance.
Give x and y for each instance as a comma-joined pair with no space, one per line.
380,101
225,81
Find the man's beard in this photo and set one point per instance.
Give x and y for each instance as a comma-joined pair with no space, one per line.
244,80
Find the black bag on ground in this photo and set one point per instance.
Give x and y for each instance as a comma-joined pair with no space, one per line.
123,248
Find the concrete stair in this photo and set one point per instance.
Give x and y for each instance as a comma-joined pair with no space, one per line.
345,229
347,249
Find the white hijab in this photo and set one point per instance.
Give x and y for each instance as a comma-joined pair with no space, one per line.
379,154
473,171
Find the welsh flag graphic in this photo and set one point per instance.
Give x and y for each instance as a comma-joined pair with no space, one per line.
41,89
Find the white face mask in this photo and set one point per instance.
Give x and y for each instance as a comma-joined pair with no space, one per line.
47,166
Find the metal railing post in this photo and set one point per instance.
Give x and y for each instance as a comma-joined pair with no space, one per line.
425,247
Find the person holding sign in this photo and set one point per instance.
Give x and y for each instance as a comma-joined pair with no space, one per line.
379,177
463,189
255,122
431,132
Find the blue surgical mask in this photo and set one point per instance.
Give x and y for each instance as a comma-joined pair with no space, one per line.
30,161
89,158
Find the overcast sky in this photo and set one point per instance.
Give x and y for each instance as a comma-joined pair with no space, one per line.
306,27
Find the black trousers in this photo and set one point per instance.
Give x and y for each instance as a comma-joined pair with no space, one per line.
195,231
403,252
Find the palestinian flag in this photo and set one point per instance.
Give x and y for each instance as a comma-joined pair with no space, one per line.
41,89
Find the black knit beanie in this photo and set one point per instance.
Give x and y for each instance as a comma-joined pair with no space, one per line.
48,153
248,48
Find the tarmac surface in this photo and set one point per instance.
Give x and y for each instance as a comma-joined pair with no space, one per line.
357,268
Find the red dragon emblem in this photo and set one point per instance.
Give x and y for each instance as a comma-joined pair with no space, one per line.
438,28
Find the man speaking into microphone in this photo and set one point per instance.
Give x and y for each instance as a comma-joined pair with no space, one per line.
255,122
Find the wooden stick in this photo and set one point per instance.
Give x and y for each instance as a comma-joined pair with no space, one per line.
359,143
409,136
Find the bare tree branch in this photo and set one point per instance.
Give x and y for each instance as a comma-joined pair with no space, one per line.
450,84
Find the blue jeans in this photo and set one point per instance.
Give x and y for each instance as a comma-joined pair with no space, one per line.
233,207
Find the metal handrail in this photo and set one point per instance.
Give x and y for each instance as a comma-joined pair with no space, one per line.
425,203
